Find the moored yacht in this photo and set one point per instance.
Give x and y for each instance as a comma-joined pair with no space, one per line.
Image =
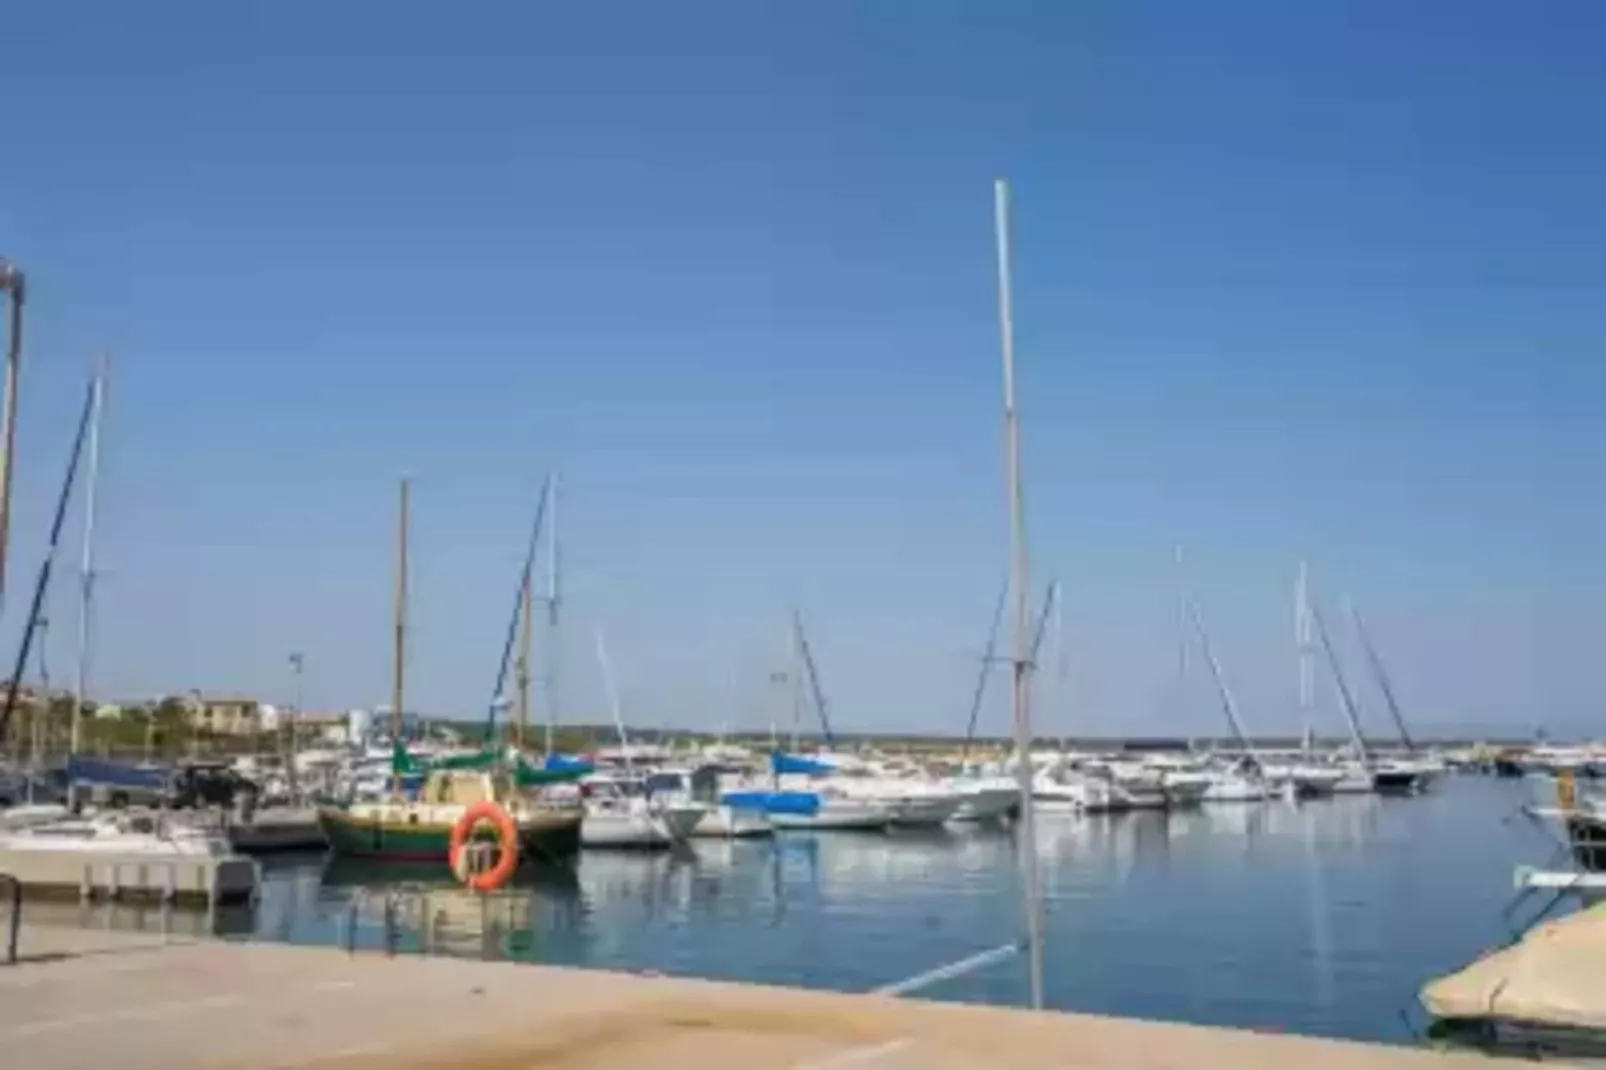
622,813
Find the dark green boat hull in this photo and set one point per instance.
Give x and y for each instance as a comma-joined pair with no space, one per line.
357,837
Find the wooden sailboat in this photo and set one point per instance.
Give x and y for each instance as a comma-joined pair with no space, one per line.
419,830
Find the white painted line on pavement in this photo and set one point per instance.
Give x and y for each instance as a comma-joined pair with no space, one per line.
150,1012
352,1052
853,1056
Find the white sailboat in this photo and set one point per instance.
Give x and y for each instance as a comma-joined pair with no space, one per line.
619,812
1305,778
1244,781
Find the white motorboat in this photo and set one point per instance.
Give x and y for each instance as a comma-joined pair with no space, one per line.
1236,788
728,822
837,813
988,799
1304,780
1134,786
1354,779
123,832
620,813
634,821
1186,788
699,787
25,815
922,810
908,801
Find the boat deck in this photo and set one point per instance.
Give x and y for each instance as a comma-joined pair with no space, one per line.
90,998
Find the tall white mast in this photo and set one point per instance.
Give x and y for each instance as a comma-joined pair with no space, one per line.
1182,639
1021,660
552,598
86,570
1307,665
614,704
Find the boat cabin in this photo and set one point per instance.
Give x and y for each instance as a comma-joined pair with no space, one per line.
464,787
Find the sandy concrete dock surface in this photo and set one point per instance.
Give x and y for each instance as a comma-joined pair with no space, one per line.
82,998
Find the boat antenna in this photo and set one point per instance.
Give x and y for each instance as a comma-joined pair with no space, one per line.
1021,665
43,583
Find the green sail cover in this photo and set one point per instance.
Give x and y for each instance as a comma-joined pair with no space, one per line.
525,775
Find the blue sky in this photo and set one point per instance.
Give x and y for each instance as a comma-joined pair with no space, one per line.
1293,281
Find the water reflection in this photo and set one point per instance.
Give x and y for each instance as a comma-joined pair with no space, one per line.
1322,916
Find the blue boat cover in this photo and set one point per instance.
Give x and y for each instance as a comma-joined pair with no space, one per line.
81,770
781,762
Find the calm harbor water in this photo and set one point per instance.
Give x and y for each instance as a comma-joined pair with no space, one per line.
1323,917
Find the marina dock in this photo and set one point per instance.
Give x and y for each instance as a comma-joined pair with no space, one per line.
196,880
79,997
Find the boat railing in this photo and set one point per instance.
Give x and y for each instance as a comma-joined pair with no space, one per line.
14,922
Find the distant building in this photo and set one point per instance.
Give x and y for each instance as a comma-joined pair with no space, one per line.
223,715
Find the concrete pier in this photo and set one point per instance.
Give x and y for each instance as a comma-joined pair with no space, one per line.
189,879
86,998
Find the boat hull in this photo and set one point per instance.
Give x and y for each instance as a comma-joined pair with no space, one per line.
922,811
1586,835
987,804
1394,782
545,836
733,822
837,817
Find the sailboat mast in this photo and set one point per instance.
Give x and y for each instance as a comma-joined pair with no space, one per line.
551,673
399,653
1228,706
1382,678
1350,710
1302,641
1020,701
86,569
814,683
42,585
11,284
614,703
1182,634
989,655
797,680
522,669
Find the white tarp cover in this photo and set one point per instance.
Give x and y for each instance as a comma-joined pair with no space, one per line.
1555,976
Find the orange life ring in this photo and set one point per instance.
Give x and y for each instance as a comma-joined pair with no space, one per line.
507,839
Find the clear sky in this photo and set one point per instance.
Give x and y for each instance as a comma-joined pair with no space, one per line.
1316,281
